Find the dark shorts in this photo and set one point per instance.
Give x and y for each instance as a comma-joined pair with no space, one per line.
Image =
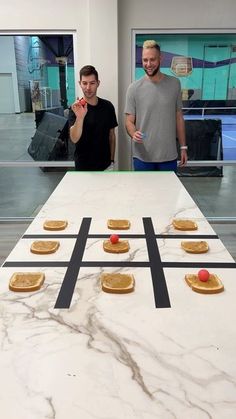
148,166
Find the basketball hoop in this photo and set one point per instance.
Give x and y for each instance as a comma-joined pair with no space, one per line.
61,60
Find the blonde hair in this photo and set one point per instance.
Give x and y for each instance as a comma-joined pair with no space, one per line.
150,43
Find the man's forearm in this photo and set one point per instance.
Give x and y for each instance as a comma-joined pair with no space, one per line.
76,130
130,128
180,128
112,141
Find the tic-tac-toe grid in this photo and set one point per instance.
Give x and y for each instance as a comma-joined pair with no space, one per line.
154,262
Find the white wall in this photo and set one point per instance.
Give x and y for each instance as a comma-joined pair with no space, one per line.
22,44
104,44
162,14
8,65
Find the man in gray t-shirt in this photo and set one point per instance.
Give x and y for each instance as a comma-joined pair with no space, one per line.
154,116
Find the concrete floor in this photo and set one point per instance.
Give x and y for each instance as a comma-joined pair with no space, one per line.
215,196
23,191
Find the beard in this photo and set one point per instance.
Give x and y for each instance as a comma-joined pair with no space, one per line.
154,72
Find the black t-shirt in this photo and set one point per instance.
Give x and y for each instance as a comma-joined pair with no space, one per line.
92,151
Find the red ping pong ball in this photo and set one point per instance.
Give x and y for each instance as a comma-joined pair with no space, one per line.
114,238
82,101
203,275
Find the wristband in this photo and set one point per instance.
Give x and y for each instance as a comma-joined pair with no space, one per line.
183,147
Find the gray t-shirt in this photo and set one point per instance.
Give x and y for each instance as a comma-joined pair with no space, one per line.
154,106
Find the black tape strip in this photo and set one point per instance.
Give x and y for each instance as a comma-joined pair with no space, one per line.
124,236
59,264
33,264
158,236
121,236
50,236
185,236
125,264
68,285
74,236
158,278
229,265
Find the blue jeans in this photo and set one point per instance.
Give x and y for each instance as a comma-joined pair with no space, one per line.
148,166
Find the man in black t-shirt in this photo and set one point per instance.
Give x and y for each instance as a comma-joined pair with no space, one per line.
92,122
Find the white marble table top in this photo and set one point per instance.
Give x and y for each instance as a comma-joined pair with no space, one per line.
111,356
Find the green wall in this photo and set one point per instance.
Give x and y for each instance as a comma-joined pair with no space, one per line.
214,71
54,82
